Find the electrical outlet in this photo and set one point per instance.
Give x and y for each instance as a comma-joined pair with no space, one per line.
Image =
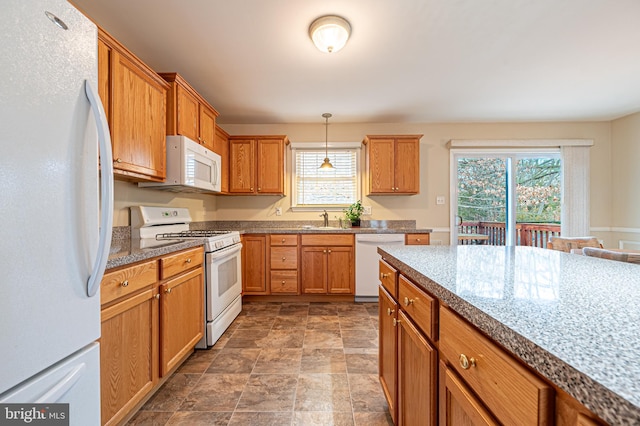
440,199
278,211
366,210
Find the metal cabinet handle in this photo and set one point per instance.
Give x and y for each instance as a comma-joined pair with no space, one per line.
168,291
396,322
329,251
188,260
125,283
118,160
408,301
259,189
466,363
383,275
324,251
390,311
418,239
157,296
283,282
284,258
283,241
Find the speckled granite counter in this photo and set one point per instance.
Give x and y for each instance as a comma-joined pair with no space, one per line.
572,318
126,251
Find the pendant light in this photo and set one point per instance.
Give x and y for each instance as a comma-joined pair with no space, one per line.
326,165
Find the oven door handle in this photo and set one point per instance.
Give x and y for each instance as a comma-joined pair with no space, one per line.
225,252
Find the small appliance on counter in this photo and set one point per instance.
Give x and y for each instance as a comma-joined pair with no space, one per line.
223,268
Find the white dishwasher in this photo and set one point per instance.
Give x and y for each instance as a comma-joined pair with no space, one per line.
367,258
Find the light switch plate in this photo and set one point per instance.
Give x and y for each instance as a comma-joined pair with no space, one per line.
367,210
278,211
440,199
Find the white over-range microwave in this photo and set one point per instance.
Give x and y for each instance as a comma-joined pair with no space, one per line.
190,167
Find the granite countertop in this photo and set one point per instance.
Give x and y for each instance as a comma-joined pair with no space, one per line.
126,250
572,318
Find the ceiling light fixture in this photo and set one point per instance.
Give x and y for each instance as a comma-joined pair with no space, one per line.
330,33
326,165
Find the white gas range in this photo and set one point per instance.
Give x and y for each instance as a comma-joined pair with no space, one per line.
223,273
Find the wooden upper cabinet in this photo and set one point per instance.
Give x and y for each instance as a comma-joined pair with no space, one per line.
221,147
189,114
393,164
256,165
134,97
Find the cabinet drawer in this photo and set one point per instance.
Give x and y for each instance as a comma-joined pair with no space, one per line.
284,281
416,239
180,262
514,394
125,281
284,258
326,240
389,278
419,306
284,240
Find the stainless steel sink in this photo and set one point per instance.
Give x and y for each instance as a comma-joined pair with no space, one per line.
311,227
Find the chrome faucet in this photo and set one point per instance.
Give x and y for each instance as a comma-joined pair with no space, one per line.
325,216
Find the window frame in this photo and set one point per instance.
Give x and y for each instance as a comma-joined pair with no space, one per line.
355,147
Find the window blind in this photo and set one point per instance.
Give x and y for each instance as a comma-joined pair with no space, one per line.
319,187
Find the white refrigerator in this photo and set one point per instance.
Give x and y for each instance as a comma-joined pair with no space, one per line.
55,211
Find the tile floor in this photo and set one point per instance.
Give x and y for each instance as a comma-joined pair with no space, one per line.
280,364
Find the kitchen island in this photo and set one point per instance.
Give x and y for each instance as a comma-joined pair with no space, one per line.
572,319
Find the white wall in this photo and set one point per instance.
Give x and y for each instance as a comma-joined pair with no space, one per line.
625,155
434,174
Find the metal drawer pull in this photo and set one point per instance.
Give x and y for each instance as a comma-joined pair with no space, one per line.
124,283
188,260
168,291
283,240
465,362
383,275
408,301
284,258
157,297
283,282
396,322
390,311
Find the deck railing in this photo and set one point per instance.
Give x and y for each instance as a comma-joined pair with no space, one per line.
527,234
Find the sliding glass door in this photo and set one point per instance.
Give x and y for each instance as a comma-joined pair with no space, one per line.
506,197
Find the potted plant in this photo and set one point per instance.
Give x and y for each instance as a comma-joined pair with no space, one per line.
353,213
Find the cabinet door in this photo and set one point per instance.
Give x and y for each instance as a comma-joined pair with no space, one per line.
138,107
181,317
221,147
104,66
381,166
417,373
241,166
254,264
270,166
340,270
388,350
407,166
128,354
458,405
313,270
187,114
207,127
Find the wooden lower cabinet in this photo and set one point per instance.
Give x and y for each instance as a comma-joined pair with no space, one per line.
254,264
388,350
458,405
417,375
181,317
327,264
128,354
148,327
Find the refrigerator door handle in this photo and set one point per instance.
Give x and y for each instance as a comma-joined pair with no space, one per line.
106,184
60,388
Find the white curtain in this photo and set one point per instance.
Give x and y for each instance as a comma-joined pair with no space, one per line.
575,191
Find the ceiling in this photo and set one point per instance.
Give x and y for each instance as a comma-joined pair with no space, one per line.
407,60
